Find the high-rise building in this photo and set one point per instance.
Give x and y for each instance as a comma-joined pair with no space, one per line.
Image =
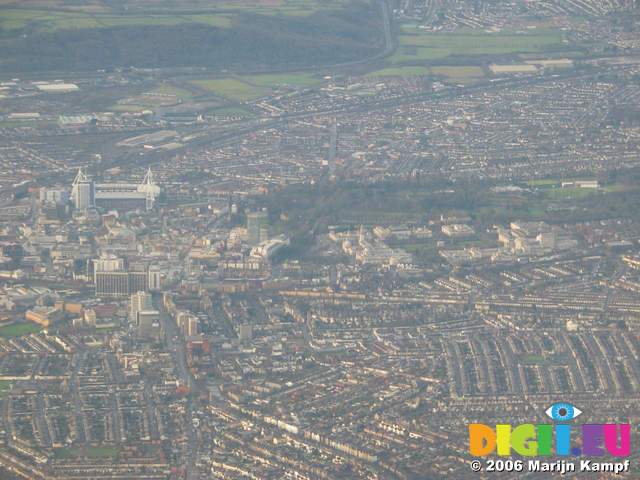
54,195
257,227
148,326
245,332
155,279
83,192
140,301
113,279
144,317
187,323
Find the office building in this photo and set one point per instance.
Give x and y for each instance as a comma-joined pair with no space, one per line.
83,192
257,227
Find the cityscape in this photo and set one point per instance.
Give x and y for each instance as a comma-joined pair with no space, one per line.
305,239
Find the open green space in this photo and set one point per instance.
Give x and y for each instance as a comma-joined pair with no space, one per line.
310,210
101,452
5,387
89,452
220,14
288,79
232,111
541,360
49,21
570,193
417,45
64,453
483,43
242,36
248,87
406,53
231,88
19,329
406,71
461,73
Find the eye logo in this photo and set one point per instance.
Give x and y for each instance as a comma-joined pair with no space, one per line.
562,412
530,440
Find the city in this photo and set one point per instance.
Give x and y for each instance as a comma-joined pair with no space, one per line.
313,266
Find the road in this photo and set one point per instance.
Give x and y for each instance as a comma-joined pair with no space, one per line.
176,345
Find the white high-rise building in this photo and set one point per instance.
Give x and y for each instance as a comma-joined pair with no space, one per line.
155,279
83,192
140,302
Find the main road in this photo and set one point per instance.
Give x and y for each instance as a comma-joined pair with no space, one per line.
176,345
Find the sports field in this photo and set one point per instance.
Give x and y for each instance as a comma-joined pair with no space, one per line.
415,44
19,329
249,87
462,73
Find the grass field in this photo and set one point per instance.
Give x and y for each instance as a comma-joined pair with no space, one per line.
219,14
231,88
101,452
19,329
289,79
570,193
90,452
416,45
249,87
454,73
168,89
44,20
460,73
481,43
5,387
406,71
232,111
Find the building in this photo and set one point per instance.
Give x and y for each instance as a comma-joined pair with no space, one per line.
54,196
268,248
257,227
253,268
155,279
148,326
44,316
120,283
113,279
140,301
187,323
83,192
119,196
144,317
245,332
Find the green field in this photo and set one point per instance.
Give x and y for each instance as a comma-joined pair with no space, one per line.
232,111
459,73
168,89
482,43
101,452
218,15
454,73
249,87
44,20
19,329
407,71
416,45
406,53
89,452
289,79
5,387
231,88
570,193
